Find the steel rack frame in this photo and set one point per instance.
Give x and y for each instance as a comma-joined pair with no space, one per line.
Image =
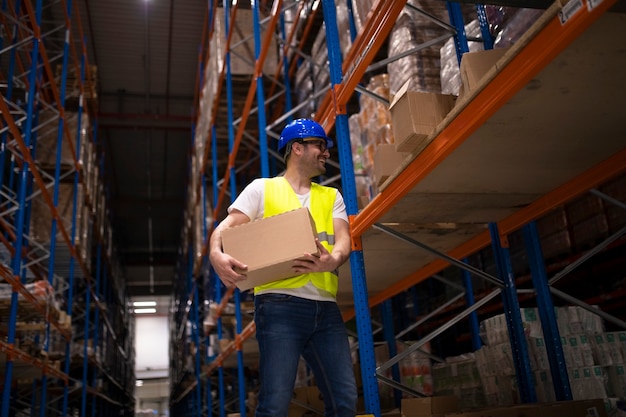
42,272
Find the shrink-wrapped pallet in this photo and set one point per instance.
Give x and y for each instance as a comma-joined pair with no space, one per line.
450,73
375,118
47,138
422,67
242,58
507,24
360,11
41,216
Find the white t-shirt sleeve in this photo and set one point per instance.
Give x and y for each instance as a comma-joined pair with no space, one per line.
339,209
250,200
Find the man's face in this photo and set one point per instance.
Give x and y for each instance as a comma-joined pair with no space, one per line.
316,153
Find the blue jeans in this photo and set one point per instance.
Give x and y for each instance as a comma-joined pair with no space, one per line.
288,327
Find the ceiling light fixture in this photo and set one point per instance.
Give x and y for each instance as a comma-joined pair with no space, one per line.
144,304
144,310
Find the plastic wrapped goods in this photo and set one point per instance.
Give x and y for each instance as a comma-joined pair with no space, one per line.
375,117
516,26
508,24
360,10
411,30
450,73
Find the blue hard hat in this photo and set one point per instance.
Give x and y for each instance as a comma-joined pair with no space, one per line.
302,129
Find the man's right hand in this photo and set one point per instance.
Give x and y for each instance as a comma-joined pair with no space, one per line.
226,268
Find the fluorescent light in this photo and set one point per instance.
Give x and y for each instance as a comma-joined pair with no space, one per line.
144,310
144,304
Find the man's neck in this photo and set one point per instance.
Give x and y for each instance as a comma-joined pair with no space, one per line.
301,184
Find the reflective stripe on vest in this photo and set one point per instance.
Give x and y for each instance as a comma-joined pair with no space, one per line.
279,198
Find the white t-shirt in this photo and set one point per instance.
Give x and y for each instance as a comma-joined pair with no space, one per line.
251,203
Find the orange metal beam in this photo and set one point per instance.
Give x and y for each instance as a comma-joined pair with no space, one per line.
526,64
14,353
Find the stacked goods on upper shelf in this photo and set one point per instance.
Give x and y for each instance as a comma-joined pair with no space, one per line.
91,201
47,139
411,31
317,71
73,82
506,25
41,216
242,58
370,129
450,73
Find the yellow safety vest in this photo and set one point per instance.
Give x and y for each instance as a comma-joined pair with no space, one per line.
279,198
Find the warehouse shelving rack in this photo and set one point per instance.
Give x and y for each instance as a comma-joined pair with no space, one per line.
66,311
550,37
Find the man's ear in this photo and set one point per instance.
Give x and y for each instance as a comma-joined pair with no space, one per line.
297,147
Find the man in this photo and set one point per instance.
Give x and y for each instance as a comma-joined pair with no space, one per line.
298,316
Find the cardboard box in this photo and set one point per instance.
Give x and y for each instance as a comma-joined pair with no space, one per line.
415,116
526,410
577,408
429,406
475,65
270,245
386,161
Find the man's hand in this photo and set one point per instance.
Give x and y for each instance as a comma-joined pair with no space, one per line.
225,265
226,268
325,262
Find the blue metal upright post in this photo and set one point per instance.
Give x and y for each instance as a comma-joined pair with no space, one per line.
70,297
55,197
460,38
96,320
16,261
473,317
84,383
229,103
357,264
195,330
285,63
353,31
519,348
260,94
554,347
389,332
233,178
484,27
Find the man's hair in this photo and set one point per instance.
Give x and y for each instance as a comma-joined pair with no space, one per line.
287,153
